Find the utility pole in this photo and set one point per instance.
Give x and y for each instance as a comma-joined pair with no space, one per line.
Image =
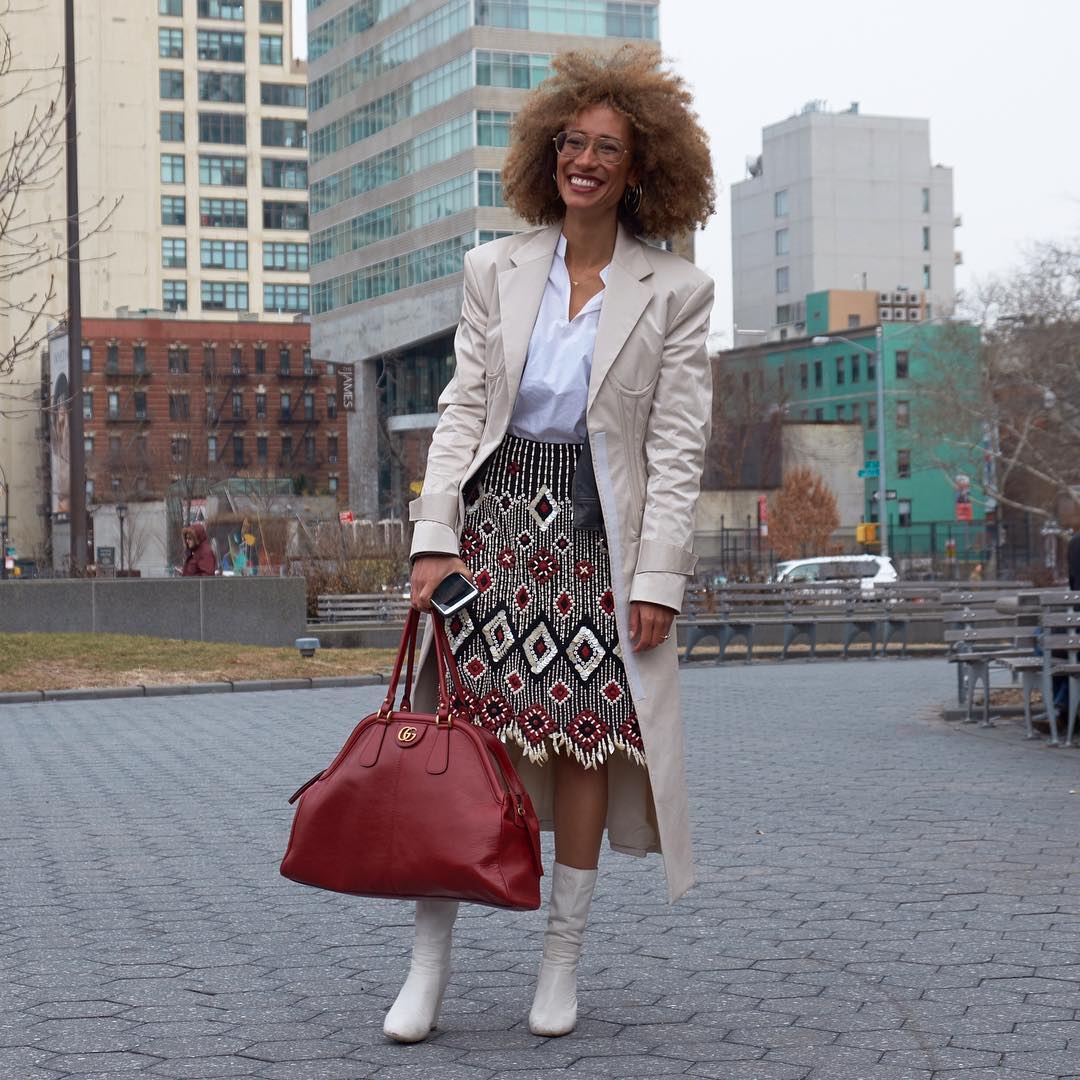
4,528
76,451
879,377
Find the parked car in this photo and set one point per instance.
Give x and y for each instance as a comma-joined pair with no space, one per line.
868,570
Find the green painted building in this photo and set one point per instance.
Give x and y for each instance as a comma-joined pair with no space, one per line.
828,376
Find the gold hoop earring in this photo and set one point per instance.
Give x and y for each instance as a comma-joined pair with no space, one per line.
633,197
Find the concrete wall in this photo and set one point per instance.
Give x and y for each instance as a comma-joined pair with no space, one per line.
249,611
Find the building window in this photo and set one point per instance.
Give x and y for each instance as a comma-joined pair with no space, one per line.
138,358
288,133
236,359
819,416
238,404
285,256
783,279
309,364
222,171
286,448
309,406
222,9
903,508
855,368
260,406
88,405
332,483
284,174
216,45
171,85
112,405
783,314
223,213
489,188
211,448
223,128
270,11
926,238
179,446
903,464
804,377
818,374
309,449
178,360
331,449
223,254
871,418
871,367
140,412
261,449
172,168
224,296
901,364
88,445
171,7
238,450
285,215
285,298
903,414
173,210
926,277
179,406
171,44
286,95
172,127
840,413
854,321
926,200
260,359
493,128
89,488
286,407
856,412
331,405
173,253
174,295
270,49
283,359
227,86
780,203
87,358
112,359
783,246
840,371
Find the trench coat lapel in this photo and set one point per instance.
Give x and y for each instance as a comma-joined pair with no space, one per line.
625,298
521,289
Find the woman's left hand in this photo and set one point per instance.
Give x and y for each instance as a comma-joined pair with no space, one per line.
650,624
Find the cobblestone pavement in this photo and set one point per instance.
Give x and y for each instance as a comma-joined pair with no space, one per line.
881,896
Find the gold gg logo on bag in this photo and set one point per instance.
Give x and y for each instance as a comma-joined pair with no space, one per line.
406,735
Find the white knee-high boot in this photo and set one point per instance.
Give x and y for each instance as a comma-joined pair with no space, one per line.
554,1010
413,1014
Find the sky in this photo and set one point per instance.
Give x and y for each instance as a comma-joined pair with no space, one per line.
996,80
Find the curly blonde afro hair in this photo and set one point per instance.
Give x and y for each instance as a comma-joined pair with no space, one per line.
670,149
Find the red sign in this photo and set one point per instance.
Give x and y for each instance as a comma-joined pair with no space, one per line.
345,517
963,511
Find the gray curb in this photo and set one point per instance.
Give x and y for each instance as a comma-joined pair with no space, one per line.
98,693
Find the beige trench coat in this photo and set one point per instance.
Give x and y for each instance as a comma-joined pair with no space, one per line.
648,418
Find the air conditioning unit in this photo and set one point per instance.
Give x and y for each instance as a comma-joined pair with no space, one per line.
899,314
885,314
899,297
914,314
883,298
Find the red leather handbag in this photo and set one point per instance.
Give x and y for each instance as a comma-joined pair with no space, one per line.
417,806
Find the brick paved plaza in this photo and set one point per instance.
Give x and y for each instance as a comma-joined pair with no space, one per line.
881,896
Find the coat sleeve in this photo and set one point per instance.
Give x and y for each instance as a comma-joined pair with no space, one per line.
204,557
676,436
462,413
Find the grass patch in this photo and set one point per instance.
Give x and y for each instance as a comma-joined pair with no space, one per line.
69,661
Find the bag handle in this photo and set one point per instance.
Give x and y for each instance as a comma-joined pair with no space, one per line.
444,661
451,662
406,648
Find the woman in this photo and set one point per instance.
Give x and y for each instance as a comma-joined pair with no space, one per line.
199,560
562,478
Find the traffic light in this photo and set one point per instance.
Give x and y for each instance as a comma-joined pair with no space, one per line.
866,532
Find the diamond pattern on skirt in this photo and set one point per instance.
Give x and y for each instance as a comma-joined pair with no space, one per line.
585,652
543,508
458,628
499,636
539,648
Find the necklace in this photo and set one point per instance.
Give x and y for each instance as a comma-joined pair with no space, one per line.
583,278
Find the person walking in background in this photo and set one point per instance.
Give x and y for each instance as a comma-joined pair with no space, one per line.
199,560
563,477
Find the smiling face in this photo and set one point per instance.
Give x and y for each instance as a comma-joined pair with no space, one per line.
588,185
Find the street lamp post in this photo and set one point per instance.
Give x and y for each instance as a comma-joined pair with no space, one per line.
878,353
121,513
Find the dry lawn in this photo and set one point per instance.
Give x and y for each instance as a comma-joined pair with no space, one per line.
69,661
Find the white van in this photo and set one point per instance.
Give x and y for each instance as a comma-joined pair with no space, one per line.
868,570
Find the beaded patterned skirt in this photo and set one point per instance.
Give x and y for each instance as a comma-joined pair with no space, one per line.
539,647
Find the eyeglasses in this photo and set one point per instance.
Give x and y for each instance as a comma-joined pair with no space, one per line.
570,144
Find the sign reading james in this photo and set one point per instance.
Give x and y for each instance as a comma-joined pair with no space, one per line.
347,386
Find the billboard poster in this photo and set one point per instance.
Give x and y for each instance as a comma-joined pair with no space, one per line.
59,420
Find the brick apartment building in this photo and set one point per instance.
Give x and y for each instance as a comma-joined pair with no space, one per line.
169,398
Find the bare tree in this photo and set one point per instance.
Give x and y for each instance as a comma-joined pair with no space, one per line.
1006,410
33,241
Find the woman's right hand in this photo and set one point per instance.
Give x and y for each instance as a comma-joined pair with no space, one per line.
427,572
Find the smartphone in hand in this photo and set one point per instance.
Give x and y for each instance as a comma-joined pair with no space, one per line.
453,592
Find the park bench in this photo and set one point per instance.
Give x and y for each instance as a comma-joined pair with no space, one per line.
1059,642
362,607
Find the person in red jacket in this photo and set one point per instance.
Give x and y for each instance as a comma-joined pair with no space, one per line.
199,561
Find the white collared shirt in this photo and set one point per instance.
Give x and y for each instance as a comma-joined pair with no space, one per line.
554,390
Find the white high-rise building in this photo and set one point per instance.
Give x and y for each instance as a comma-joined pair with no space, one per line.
839,200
